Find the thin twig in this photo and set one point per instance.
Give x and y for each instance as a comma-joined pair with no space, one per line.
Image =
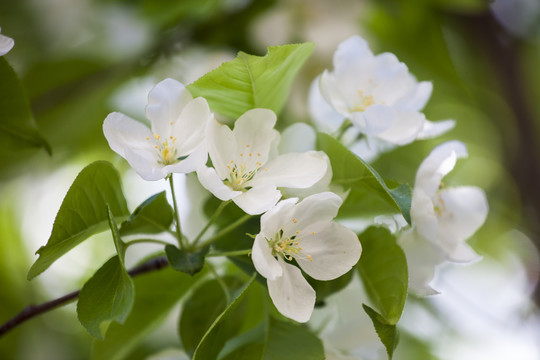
35,310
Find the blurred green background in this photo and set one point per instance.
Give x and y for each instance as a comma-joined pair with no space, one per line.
78,60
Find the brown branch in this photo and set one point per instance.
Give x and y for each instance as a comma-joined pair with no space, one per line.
34,310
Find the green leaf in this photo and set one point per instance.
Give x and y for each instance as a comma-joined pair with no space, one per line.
18,130
277,339
351,171
220,331
83,212
186,261
323,289
201,310
250,81
156,294
388,333
152,216
108,295
383,269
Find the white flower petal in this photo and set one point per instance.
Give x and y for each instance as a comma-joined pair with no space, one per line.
333,248
322,185
352,50
210,180
292,170
190,127
258,199
405,129
422,259
376,119
194,161
6,44
291,293
273,219
323,114
165,103
221,147
265,264
298,137
416,99
434,129
331,92
315,208
254,133
144,164
123,132
423,214
439,162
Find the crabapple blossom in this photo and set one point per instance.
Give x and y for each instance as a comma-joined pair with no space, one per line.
175,143
303,232
246,168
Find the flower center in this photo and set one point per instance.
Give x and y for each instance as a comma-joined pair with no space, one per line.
241,172
365,102
287,247
166,150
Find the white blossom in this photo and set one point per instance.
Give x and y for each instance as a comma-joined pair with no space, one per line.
378,95
442,218
6,44
303,232
246,167
176,141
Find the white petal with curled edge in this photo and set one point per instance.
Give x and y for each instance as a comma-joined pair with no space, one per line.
433,129
122,132
375,120
423,215
265,264
194,161
323,114
165,103
322,207
221,147
258,199
422,259
291,293
331,92
273,219
210,180
439,162
6,44
350,52
294,170
333,248
416,99
145,164
190,127
405,130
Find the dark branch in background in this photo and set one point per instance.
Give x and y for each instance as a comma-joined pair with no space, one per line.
35,310
522,160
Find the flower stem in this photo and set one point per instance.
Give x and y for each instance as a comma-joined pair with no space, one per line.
226,230
346,124
153,241
221,283
231,253
211,221
176,213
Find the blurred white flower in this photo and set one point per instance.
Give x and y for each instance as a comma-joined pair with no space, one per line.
174,144
306,233
442,218
6,43
246,169
377,94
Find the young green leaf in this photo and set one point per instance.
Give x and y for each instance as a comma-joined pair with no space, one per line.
383,269
388,333
276,339
83,212
152,216
351,171
186,261
250,81
156,294
18,130
202,308
107,296
220,331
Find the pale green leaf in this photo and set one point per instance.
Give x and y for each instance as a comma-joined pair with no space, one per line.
156,293
383,268
250,81
83,212
388,333
152,216
352,172
107,296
